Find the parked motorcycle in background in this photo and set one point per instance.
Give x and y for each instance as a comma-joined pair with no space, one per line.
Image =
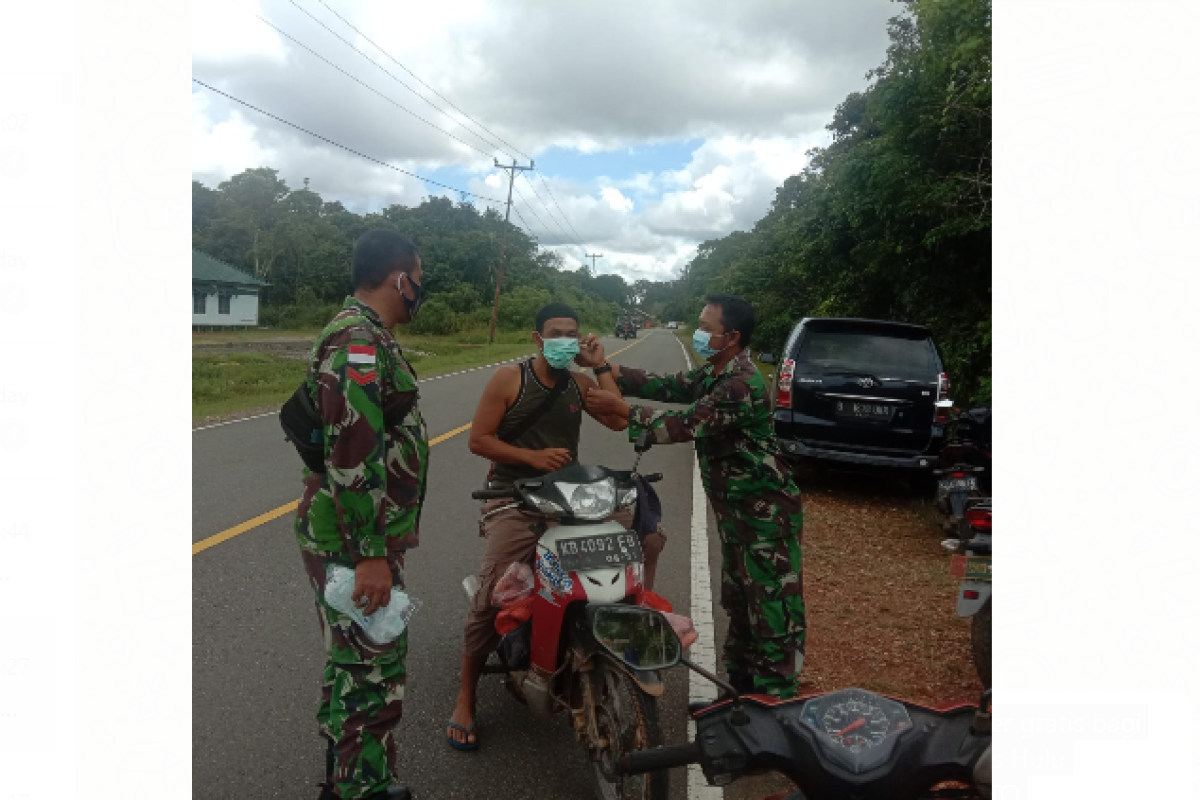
964,469
972,563
850,743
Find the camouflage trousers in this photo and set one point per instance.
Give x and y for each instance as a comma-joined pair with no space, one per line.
762,592
362,692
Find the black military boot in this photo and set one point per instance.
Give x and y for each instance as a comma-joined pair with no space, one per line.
327,792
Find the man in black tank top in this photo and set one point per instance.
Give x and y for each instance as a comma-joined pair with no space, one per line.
549,444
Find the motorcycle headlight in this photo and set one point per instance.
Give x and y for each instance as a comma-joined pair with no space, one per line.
591,501
628,497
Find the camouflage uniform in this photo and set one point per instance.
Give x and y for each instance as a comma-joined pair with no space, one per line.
366,505
757,506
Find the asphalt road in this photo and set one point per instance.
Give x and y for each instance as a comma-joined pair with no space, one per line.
257,653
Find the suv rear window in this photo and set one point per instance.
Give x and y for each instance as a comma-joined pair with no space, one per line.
878,354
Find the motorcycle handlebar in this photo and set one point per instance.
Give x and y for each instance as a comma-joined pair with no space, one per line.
493,494
675,755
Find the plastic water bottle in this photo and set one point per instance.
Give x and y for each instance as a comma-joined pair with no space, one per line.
386,623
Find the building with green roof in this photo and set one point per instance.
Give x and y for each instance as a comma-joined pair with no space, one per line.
222,295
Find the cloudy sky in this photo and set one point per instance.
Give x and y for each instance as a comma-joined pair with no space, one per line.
654,125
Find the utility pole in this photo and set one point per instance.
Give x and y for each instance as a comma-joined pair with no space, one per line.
512,176
593,257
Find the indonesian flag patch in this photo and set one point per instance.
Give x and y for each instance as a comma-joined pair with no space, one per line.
362,354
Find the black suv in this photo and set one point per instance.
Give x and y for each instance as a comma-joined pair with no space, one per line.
861,392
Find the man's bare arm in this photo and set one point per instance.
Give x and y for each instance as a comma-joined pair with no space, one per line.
611,421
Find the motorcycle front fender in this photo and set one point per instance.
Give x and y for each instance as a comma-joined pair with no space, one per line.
649,681
968,607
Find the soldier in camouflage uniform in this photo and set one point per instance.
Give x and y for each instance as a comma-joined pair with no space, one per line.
754,498
363,511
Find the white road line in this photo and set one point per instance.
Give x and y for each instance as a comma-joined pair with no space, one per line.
704,651
425,380
230,422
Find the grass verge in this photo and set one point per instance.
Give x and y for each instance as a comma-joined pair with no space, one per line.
236,372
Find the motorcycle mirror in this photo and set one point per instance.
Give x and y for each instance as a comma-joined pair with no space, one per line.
639,636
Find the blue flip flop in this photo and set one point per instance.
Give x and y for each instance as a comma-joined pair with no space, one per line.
464,746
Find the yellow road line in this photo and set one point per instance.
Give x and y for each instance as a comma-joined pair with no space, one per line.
236,530
262,519
445,436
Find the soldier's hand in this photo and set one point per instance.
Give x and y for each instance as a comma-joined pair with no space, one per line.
591,352
601,401
372,584
550,459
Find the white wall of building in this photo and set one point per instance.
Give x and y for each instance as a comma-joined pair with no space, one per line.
243,310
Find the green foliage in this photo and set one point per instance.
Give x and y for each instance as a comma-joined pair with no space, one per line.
303,246
893,219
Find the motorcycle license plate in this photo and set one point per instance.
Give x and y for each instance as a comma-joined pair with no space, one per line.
971,568
876,411
958,484
599,551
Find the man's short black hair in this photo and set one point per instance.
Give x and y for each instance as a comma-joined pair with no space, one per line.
736,314
377,254
554,311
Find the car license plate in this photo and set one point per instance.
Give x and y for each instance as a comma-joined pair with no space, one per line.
971,568
958,484
599,551
857,410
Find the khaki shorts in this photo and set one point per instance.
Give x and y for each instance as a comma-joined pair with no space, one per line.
512,536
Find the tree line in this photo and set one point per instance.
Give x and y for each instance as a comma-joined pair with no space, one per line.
302,245
892,220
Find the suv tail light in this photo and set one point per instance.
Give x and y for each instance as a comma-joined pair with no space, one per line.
980,519
783,388
941,416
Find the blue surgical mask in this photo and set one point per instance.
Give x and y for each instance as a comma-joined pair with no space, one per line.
700,343
560,352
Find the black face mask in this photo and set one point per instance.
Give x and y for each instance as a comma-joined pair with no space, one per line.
411,306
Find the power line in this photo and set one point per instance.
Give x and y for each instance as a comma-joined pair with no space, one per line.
560,211
550,212
547,208
380,67
342,146
529,207
423,83
369,88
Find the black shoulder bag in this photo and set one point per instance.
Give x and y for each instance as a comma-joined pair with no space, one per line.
303,427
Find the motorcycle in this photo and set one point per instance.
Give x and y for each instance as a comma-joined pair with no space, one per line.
850,743
965,468
552,662
972,563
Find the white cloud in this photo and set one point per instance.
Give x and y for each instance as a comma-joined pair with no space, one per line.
754,81
616,201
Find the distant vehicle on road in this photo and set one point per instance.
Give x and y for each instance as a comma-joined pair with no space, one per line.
860,392
673,326
625,330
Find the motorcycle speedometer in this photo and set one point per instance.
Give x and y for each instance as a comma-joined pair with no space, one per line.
856,728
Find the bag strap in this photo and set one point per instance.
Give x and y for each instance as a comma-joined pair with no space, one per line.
524,425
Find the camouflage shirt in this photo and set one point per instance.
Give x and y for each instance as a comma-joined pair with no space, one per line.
741,464
368,502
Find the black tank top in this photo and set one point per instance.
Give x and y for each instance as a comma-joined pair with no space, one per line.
557,427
